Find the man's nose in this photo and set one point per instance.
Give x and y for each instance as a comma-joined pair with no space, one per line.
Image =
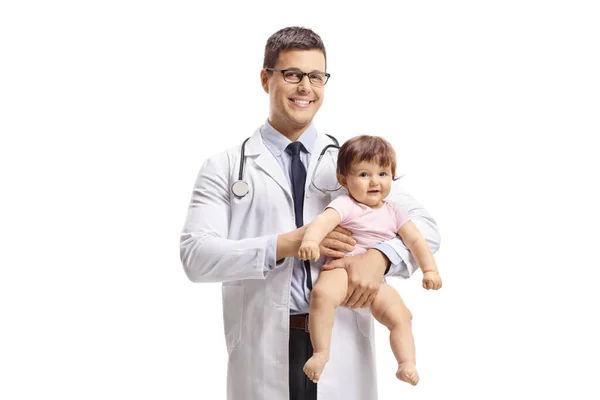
304,85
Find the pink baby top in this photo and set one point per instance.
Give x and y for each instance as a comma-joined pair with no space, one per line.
369,226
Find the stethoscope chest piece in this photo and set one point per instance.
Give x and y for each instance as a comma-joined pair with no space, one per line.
240,188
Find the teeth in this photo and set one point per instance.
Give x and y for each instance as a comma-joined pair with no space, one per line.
302,102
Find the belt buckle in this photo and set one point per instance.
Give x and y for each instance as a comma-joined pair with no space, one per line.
306,325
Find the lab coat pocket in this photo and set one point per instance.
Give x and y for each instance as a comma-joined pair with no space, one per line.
364,321
233,313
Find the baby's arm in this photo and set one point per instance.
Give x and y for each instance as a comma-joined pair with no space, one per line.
316,231
416,243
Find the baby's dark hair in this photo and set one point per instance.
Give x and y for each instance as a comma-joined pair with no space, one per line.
366,148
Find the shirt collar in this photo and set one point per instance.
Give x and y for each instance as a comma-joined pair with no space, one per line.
277,142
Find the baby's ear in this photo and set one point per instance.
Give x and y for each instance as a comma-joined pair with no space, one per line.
342,180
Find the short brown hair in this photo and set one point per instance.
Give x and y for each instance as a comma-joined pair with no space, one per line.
366,148
293,37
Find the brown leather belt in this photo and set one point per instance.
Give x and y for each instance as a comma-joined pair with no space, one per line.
299,322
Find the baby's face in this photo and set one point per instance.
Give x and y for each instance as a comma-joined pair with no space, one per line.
368,183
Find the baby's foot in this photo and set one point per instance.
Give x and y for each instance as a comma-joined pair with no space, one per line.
315,365
407,372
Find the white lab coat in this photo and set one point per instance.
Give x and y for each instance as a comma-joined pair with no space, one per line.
224,240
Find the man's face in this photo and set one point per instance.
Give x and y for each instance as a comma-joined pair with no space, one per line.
368,182
294,105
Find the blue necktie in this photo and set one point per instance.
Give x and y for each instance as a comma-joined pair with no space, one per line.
298,181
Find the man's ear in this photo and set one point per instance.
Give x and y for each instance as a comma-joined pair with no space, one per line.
342,180
264,80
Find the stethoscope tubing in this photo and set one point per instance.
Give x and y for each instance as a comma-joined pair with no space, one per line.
240,188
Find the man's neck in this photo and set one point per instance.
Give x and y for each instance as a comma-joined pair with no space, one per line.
290,132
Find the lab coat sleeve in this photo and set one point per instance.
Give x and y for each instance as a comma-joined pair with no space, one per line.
206,252
403,264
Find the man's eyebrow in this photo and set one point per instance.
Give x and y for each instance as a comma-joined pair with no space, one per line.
298,69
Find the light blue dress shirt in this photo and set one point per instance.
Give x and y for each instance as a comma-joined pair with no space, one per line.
300,293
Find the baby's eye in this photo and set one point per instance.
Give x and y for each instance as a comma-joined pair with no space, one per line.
383,174
363,174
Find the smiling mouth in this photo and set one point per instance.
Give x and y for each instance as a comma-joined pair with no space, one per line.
302,103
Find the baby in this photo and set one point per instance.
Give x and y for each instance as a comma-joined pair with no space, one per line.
365,167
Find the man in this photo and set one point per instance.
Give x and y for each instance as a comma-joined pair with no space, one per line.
244,227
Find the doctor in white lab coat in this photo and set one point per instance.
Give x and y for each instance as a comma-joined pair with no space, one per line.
225,239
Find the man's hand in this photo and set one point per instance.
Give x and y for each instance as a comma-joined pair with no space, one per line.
336,242
309,250
365,274
432,280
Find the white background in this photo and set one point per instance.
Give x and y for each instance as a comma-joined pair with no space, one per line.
108,109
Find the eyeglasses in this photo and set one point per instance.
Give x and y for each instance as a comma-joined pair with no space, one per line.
294,75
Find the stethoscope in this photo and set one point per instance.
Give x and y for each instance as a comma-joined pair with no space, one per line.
240,187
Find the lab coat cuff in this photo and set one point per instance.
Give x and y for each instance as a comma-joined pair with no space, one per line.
270,253
397,265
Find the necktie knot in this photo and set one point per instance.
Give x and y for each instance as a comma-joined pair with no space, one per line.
294,148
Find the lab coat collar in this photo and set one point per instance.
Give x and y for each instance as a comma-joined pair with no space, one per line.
277,142
265,160
256,143
257,153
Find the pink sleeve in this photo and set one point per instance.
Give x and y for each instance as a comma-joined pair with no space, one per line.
343,205
401,216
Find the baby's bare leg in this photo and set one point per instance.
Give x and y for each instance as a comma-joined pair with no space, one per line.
327,294
389,309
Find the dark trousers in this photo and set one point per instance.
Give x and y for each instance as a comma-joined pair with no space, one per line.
301,388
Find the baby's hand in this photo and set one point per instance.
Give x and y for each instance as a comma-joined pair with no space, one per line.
309,251
432,280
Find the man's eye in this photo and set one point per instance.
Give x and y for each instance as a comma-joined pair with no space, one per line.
316,77
293,74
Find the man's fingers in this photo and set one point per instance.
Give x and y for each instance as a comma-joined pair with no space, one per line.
338,244
350,292
362,300
356,294
370,300
367,298
334,264
327,252
343,231
341,237
332,253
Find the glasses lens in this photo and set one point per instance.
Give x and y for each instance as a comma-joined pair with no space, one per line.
292,76
317,78
324,177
